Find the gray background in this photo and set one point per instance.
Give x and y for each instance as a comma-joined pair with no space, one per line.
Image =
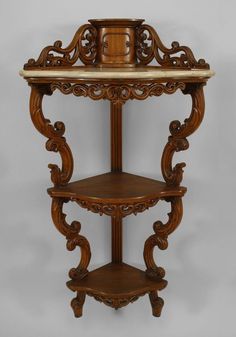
200,260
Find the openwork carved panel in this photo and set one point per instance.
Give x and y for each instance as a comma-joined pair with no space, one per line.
150,46
115,302
122,92
83,47
116,210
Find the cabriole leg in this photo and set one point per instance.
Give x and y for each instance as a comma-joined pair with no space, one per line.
160,239
157,303
74,239
77,304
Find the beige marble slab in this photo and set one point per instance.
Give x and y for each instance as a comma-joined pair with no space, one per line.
118,73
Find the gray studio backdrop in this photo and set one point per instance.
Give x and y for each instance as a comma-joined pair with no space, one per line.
200,261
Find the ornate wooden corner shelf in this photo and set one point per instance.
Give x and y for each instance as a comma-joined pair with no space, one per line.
116,56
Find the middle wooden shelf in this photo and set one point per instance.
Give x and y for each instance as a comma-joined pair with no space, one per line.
116,193
116,187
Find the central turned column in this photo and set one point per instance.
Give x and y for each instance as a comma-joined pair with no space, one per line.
116,166
116,43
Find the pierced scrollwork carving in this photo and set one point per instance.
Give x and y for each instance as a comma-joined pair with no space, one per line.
116,210
74,239
83,47
179,133
162,231
115,302
116,92
56,142
150,46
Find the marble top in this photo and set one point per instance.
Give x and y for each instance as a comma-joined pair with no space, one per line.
147,72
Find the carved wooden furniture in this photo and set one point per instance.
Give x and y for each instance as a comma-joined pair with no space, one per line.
116,54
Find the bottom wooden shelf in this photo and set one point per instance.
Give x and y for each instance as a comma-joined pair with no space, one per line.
116,285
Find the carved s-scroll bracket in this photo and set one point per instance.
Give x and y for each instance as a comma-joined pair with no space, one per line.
56,142
74,239
83,47
177,141
160,238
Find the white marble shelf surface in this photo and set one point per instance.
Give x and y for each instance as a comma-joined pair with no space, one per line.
147,72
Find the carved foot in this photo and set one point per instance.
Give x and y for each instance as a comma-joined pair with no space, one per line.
77,304
156,303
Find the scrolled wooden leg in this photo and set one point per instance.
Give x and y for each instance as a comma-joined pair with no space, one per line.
157,303
74,239
160,238
77,304
179,132
54,132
